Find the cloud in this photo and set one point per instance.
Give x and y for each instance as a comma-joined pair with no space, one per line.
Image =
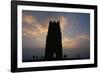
63,22
32,29
76,42
38,31
29,19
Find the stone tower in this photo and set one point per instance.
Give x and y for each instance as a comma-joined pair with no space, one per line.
53,49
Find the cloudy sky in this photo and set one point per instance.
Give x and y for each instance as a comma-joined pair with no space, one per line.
75,28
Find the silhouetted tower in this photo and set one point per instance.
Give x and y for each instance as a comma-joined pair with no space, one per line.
53,41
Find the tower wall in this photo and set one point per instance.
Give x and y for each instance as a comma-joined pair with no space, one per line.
53,41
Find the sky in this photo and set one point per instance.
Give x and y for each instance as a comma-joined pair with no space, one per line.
75,30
